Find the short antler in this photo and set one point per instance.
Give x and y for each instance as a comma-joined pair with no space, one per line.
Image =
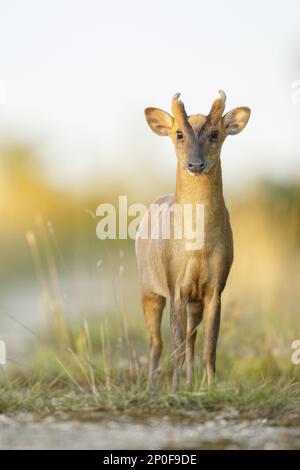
217,108
179,113
178,109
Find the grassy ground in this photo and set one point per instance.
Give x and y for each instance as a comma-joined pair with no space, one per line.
102,365
279,403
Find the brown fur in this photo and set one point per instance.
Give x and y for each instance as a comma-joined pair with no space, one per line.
193,280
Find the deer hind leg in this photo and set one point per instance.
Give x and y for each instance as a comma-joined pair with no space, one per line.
194,317
178,319
153,306
211,319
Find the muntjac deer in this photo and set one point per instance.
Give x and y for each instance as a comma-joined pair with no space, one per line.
192,279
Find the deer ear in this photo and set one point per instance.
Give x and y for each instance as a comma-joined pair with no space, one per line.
159,121
235,120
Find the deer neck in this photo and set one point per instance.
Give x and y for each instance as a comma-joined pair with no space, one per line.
204,189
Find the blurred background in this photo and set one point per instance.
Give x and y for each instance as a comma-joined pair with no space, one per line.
75,77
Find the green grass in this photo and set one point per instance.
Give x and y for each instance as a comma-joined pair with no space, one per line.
101,365
274,401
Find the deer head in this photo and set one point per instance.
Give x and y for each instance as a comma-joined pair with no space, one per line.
198,138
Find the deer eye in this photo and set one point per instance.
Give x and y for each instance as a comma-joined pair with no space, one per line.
179,135
213,136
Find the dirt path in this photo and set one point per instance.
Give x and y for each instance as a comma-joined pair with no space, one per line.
106,432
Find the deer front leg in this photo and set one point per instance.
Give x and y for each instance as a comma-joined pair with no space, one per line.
194,317
153,306
211,319
178,318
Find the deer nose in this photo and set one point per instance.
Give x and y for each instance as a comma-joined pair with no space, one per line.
196,166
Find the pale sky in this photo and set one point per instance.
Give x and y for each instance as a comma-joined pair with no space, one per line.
78,75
